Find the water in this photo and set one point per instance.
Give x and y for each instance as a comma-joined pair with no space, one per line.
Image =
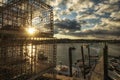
62,52
95,49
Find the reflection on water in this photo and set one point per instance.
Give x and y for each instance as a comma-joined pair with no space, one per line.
38,55
30,55
19,59
29,58
29,52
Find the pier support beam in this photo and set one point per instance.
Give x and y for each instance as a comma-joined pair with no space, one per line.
83,60
70,60
89,55
105,61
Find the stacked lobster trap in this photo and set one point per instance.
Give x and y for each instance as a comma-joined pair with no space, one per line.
26,27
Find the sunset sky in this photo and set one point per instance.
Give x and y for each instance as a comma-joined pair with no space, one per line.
86,19
91,19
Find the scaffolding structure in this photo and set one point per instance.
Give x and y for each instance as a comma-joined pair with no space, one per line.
21,56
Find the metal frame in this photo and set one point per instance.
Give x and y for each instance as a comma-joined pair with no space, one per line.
25,59
16,15
21,56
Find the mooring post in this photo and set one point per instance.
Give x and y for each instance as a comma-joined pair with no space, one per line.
83,61
89,55
70,60
105,62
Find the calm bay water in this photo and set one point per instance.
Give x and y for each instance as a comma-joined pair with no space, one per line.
95,49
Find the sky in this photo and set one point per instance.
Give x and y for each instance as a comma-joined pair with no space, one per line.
86,19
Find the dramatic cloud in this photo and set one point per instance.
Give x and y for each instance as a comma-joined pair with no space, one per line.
103,31
111,22
79,5
108,6
115,15
67,25
87,18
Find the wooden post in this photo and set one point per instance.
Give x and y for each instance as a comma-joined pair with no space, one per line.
83,62
105,62
70,60
89,55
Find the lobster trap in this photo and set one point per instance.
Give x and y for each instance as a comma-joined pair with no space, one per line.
26,55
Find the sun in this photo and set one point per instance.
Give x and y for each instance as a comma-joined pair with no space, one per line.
31,30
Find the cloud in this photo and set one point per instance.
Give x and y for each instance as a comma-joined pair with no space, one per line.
97,33
108,6
67,25
65,12
111,22
108,29
104,14
65,36
71,6
86,16
79,5
113,1
53,2
115,15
